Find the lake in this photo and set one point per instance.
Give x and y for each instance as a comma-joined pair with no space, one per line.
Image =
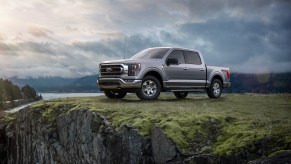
49,96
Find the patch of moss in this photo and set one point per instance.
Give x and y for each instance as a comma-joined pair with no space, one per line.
9,117
52,111
279,152
243,135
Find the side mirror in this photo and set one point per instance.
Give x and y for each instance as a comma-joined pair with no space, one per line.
172,61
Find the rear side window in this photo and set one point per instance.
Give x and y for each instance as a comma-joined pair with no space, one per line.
192,57
178,54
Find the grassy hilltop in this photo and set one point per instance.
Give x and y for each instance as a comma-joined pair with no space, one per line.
231,124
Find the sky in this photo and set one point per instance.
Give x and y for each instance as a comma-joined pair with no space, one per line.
69,38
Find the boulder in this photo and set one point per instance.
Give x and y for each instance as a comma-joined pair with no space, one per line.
163,149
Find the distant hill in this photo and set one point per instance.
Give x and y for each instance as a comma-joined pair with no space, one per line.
240,83
84,84
59,84
44,83
260,83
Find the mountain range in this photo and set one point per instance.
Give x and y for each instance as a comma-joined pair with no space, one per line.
240,83
84,84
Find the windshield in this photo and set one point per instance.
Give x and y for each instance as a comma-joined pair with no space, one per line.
153,53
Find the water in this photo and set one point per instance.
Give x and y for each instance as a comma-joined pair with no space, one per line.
50,96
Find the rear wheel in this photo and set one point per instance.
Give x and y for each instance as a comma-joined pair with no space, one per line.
215,89
181,95
114,94
150,88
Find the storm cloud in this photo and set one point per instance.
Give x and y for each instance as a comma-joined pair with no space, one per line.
71,38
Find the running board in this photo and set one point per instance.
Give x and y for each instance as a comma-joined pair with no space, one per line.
186,90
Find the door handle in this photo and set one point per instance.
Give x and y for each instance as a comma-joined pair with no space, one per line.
202,69
185,68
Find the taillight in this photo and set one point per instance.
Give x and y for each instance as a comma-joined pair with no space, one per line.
228,74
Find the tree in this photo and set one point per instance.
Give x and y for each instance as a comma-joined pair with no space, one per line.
8,91
29,92
1,92
16,93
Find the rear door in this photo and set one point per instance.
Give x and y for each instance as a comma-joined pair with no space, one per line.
194,68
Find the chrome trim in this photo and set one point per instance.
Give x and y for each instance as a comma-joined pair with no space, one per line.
113,67
149,88
216,89
117,83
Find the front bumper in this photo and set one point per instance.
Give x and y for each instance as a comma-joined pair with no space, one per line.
118,83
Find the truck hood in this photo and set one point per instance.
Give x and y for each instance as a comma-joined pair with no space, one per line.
130,61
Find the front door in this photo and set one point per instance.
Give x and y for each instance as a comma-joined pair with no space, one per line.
176,73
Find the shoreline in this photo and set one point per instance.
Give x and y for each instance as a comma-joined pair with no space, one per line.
17,104
46,96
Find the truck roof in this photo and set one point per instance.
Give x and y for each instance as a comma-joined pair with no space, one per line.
178,48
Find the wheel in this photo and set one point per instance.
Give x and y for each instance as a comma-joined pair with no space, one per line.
114,94
215,89
181,95
150,88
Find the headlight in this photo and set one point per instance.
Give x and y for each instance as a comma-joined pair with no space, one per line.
100,68
133,69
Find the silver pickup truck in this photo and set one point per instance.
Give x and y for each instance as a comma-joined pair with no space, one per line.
154,70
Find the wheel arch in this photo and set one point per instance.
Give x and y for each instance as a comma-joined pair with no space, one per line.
155,73
217,76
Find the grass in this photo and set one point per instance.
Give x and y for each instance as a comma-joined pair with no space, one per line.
7,117
220,126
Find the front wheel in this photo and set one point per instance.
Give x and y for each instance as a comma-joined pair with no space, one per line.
181,95
114,94
150,88
215,89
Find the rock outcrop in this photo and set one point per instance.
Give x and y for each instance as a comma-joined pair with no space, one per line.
3,144
80,136
282,157
160,143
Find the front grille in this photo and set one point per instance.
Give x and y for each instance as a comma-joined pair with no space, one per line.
111,70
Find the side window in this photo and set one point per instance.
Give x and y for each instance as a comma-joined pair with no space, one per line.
192,57
178,54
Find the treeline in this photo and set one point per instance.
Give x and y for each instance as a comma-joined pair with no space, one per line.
260,83
10,92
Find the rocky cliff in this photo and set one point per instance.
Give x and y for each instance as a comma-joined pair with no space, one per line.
80,136
83,136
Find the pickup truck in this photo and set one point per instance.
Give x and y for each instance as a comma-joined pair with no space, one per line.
162,69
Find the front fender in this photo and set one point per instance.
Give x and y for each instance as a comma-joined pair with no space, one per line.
152,69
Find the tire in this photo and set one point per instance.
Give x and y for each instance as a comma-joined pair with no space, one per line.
150,88
215,89
114,94
181,95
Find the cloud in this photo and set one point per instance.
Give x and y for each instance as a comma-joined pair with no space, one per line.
1,37
44,38
79,58
39,31
115,47
237,43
